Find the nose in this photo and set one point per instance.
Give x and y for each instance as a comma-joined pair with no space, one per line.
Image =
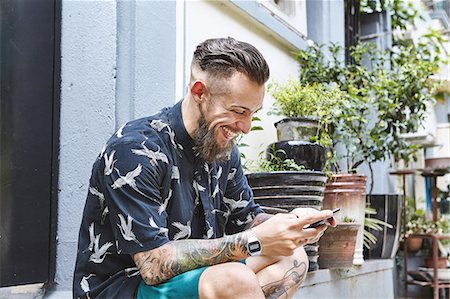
245,124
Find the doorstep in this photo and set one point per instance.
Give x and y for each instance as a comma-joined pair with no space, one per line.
27,291
373,279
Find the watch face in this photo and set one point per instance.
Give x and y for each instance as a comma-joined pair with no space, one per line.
254,246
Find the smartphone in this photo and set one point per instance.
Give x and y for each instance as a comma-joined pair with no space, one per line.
320,222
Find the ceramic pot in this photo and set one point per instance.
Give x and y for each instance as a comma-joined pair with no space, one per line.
283,191
388,208
308,154
441,262
296,128
347,192
414,243
337,246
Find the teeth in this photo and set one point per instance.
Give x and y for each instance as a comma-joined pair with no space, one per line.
230,134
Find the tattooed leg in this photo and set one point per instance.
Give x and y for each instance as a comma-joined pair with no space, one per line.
291,278
280,278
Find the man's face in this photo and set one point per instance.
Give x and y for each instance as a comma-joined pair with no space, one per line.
226,114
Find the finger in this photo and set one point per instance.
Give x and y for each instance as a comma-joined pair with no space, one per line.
331,222
313,217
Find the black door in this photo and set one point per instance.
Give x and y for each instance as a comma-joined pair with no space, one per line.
29,120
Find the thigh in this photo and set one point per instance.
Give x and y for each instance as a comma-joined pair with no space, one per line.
229,281
184,285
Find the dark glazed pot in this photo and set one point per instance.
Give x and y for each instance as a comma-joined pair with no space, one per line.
308,154
288,189
282,191
389,209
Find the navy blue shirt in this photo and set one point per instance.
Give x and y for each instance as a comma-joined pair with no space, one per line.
147,187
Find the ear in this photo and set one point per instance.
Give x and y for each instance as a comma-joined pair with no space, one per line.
198,91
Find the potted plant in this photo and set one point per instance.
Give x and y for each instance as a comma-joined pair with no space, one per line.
280,185
337,245
312,106
307,111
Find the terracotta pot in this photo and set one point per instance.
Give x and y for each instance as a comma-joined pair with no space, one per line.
441,262
347,191
414,244
337,246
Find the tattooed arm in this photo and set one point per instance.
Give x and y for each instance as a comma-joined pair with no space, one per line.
176,257
260,218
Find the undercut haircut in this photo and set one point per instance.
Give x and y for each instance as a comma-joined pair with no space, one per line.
220,58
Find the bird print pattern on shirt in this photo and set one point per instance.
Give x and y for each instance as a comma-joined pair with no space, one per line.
154,156
132,271
185,230
101,196
119,132
209,232
126,230
162,208
235,204
175,173
99,252
109,162
159,125
231,176
247,220
161,230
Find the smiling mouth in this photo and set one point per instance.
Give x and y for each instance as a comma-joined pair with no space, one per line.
229,133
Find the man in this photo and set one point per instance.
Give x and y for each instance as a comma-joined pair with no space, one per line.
169,209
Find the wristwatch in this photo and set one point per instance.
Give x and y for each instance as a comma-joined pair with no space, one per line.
253,244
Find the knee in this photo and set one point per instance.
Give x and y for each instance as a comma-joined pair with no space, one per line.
297,265
229,280
301,262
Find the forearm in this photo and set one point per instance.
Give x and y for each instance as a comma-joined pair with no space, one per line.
176,257
260,218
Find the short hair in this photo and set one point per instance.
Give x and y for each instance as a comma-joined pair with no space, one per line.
221,57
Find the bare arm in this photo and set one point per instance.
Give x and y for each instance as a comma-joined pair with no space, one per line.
260,218
176,257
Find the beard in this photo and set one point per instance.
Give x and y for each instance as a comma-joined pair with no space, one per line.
206,145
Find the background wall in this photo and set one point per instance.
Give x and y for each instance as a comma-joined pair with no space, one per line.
115,67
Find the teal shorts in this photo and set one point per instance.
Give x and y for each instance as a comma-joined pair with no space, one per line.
183,286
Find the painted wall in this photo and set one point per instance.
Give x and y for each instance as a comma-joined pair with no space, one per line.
115,67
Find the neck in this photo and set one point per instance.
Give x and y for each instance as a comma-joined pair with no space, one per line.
191,113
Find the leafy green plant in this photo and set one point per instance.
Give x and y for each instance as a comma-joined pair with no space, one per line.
295,99
274,162
374,224
381,104
347,219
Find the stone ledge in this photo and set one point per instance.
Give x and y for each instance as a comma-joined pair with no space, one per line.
27,291
374,279
327,275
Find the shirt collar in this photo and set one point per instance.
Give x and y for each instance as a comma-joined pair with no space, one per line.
177,124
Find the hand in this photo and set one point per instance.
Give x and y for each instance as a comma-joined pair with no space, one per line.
284,232
304,212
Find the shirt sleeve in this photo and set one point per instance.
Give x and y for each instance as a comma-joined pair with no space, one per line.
134,176
239,197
